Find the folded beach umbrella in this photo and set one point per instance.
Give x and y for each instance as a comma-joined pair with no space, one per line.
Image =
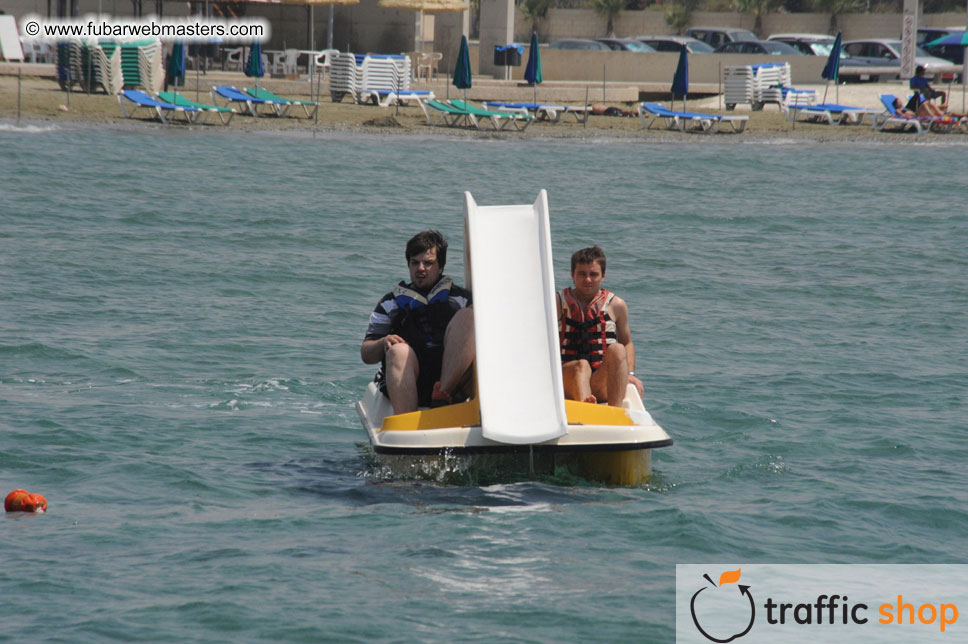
532,73
680,82
253,66
176,65
831,71
462,71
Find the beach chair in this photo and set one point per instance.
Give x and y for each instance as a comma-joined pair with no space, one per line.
203,110
439,113
142,100
499,120
251,103
388,97
650,113
277,101
829,113
899,122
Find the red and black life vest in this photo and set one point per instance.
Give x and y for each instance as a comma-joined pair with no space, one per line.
584,334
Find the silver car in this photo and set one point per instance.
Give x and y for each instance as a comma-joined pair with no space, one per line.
885,54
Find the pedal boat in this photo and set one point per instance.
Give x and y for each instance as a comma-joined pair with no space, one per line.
519,412
603,444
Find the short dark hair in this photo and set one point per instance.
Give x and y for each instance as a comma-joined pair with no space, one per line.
424,241
587,256
919,70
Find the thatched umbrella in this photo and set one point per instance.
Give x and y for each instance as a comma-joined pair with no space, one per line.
422,7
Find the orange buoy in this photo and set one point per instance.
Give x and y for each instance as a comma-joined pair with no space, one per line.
24,501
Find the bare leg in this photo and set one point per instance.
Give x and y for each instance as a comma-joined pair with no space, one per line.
576,376
612,377
401,376
458,352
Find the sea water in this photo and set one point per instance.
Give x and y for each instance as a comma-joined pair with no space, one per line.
181,317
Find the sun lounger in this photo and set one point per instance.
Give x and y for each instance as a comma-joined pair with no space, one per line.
388,97
444,113
278,101
541,111
920,124
142,100
203,110
829,113
650,113
500,120
251,103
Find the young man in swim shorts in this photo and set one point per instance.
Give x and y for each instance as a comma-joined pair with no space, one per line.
422,332
597,354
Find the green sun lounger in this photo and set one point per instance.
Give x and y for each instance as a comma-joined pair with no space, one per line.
449,115
266,95
500,120
203,110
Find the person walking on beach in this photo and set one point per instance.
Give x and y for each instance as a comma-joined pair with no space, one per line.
597,353
422,332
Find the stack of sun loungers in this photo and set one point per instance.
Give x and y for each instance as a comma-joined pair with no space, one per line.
755,84
90,65
651,113
368,77
345,77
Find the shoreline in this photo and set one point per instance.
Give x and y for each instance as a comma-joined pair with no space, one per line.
43,103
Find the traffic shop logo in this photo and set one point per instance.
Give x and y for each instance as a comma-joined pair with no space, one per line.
723,612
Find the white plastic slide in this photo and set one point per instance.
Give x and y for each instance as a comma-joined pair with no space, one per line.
10,48
518,361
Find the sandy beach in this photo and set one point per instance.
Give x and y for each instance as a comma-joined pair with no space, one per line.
41,101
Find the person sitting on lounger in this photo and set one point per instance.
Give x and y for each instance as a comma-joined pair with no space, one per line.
920,84
901,110
422,332
597,354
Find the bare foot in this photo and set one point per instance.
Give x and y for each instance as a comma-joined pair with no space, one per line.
591,399
439,396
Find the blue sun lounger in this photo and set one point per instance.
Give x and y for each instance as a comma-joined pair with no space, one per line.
143,100
650,113
251,103
918,124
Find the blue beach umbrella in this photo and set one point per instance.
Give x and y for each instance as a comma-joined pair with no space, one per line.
532,73
958,38
831,71
680,82
253,66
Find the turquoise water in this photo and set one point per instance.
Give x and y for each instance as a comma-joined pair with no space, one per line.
181,317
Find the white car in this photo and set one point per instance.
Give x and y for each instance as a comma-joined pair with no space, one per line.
885,54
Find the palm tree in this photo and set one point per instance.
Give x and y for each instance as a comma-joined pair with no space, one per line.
835,8
535,10
758,8
610,9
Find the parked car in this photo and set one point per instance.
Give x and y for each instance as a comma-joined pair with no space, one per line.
769,47
886,53
953,53
625,44
820,45
716,36
578,43
676,43
809,44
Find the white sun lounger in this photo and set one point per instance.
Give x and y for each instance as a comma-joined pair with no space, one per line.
650,113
